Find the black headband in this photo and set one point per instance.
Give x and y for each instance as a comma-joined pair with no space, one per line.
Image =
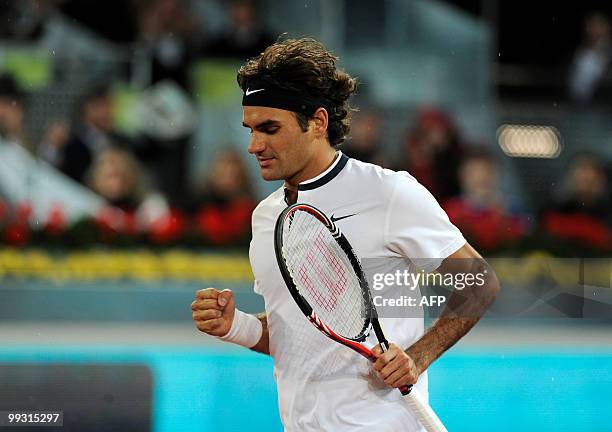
266,94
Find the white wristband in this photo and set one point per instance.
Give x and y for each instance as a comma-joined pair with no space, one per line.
246,330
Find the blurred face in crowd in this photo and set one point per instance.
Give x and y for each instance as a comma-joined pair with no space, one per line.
478,178
114,175
242,13
597,28
98,112
227,175
365,131
11,116
437,137
283,150
159,17
588,180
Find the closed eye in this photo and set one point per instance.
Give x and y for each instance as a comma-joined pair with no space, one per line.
269,127
270,130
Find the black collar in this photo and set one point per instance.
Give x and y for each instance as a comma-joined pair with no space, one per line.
327,177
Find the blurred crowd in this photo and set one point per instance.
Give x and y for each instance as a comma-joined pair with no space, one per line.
466,179
142,178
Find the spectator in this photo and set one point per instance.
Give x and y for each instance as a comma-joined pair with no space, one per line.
55,137
591,59
25,20
12,112
225,204
169,34
481,212
432,150
584,214
246,35
92,136
117,177
365,141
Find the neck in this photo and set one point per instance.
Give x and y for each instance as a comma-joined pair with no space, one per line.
322,161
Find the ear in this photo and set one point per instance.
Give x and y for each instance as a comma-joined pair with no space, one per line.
320,120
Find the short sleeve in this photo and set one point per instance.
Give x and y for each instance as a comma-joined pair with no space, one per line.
256,287
417,227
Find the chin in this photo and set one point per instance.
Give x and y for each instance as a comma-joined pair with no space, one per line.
270,176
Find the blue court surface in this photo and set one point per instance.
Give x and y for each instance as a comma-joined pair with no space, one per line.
217,389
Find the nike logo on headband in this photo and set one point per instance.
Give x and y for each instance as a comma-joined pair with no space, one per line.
250,92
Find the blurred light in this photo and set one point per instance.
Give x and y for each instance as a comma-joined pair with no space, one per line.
529,141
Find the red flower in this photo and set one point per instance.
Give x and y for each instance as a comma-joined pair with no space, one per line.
4,210
108,221
168,227
17,234
56,222
488,227
224,224
129,224
578,227
23,211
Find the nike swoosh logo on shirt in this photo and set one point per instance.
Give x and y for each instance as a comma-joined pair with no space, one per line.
336,219
250,92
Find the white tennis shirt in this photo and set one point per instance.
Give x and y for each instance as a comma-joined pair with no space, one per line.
322,385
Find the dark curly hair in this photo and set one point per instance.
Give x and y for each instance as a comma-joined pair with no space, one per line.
305,65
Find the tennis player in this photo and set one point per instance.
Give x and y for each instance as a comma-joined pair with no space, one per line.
296,107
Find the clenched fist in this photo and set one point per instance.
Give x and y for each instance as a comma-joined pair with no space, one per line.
213,311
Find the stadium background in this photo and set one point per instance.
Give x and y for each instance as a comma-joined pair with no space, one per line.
508,103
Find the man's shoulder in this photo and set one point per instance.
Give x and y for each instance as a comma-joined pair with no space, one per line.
375,175
268,205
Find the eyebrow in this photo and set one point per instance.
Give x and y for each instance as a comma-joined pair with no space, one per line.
263,124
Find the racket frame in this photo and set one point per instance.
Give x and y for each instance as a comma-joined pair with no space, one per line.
371,319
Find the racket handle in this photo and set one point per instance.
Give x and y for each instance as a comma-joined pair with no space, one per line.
405,390
423,412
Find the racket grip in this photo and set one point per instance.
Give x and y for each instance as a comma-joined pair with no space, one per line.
426,415
405,390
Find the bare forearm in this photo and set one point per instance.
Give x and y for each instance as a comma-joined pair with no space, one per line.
453,324
438,339
263,346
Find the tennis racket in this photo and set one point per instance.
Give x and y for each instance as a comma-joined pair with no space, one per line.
325,278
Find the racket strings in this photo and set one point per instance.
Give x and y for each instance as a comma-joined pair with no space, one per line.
335,283
323,274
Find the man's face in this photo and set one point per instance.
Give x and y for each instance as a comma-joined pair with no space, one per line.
11,117
478,176
99,112
282,149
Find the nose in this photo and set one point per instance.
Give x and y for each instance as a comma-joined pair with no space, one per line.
256,145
